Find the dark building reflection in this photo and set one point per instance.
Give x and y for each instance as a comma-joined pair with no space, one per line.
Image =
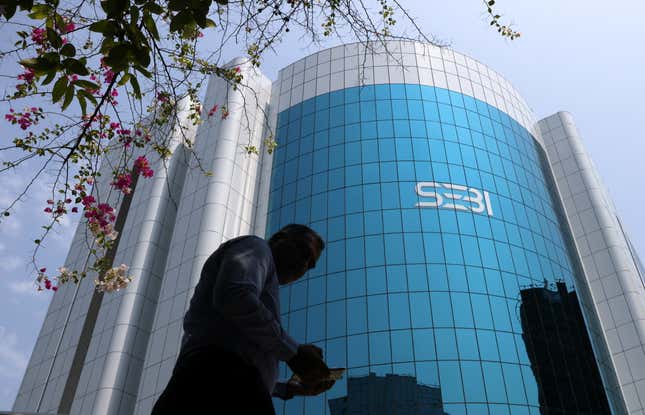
560,352
388,395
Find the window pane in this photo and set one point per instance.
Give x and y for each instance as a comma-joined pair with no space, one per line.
446,344
402,346
376,280
356,315
399,311
380,348
315,323
357,350
473,381
451,388
377,312
336,317
355,283
424,346
420,310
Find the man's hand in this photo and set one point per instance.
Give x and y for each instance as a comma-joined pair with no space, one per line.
303,389
309,365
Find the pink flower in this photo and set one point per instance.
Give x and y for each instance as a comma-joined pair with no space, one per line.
143,166
27,76
123,183
114,93
48,210
39,36
114,125
50,202
88,200
54,288
43,270
212,110
108,76
69,27
74,209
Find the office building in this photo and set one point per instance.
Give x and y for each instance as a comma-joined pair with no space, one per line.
458,229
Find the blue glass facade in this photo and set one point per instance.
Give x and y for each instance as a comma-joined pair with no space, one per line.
437,214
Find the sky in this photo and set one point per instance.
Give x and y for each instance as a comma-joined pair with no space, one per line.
582,56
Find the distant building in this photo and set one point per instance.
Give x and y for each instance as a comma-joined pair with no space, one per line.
561,355
386,395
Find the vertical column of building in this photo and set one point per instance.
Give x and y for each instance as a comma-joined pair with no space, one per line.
616,290
51,361
213,208
114,361
263,179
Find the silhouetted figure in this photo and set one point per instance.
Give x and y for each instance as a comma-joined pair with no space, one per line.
233,338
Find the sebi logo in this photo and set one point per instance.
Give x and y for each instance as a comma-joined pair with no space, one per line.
453,196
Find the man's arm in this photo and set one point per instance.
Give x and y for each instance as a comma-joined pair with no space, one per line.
236,294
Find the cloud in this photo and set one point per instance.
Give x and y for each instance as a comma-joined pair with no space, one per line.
13,360
11,263
23,287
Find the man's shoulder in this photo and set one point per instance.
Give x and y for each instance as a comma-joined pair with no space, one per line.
249,241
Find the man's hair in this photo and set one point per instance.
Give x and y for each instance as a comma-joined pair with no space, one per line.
294,242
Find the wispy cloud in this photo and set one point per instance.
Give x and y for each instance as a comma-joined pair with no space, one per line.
13,360
10,263
23,287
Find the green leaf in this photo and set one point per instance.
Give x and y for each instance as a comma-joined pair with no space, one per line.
176,5
115,8
75,66
69,95
181,20
68,50
82,103
30,62
9,10
150,25
40,11
54,38
103,26
135,87
50,77
154,8
203,21
124,79
119,56
143,71
42,65
86,84
142,56
87,96
59,88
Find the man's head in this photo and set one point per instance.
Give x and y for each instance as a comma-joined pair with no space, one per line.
295,248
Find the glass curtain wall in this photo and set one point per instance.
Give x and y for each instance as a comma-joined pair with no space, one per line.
437,215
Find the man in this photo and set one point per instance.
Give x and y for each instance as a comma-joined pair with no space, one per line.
233,338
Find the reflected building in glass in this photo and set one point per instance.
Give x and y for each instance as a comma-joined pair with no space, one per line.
389,394
555,337
474,264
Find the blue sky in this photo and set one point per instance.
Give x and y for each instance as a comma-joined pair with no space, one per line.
585,57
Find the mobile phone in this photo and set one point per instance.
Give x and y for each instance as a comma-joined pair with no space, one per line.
335,373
